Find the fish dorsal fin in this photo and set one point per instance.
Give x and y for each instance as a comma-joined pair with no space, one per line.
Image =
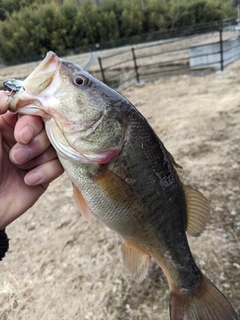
135,260
198,209
176,166
82,205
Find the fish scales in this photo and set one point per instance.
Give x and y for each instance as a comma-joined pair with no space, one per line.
123,175
144,215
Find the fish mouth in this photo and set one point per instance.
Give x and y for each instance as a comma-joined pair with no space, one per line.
41,83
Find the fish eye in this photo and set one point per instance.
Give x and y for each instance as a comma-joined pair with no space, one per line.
80,80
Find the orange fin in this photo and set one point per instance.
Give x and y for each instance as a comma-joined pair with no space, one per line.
204,302
198,209
135,260
82,205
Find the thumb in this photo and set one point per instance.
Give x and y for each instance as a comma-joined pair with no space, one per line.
4,101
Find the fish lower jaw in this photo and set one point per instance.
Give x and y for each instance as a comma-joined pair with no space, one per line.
32,110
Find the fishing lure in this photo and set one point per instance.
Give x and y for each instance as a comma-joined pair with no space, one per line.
13,85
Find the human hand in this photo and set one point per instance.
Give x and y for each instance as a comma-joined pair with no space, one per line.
27,162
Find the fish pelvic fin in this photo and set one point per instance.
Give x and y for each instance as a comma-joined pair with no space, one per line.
82,205
198,211
135,260
203,302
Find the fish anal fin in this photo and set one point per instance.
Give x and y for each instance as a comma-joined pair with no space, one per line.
82,205
135,260
198,209
204,301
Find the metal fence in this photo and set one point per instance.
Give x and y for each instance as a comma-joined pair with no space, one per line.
209,51
194,29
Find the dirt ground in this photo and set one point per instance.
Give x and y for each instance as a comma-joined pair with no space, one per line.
61,267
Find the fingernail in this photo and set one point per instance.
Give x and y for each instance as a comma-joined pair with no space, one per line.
26,134
21,155
33,178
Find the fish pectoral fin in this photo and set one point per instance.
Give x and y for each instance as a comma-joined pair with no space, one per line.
135,260
198,209
112,186
82,205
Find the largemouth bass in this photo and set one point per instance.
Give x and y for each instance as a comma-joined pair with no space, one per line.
123,175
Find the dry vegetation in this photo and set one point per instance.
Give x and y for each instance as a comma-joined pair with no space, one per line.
61,267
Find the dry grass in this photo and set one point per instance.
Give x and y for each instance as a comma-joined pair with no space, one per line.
61,267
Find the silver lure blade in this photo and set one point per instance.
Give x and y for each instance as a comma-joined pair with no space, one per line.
13,84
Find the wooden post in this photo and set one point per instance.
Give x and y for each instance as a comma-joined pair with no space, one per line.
221,49
102,70
135,65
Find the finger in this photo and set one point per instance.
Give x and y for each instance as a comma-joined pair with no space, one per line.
7,122
4,101
10,119
27,127
44,173
48,155
22,153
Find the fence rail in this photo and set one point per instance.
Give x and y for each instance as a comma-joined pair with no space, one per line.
170,56
166,34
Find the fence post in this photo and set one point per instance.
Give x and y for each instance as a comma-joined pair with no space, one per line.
135,65
102,70
221,49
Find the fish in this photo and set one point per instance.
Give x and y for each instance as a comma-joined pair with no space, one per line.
123,175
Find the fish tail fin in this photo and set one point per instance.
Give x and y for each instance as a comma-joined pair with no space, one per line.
205,302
